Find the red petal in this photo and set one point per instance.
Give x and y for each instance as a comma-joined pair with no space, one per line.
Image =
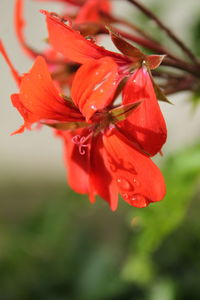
90,11
100,177
74,46
76,164
27,116
19,27
74,2
146,124
94,85
15,74
39,99
138,179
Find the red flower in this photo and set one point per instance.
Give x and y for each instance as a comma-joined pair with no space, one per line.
149,126
102,158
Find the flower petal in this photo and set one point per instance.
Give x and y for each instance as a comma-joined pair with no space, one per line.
19,28
15,74
138,179
146,124
76,164
73,2
39,99
94,85
100,178
90,11
73,45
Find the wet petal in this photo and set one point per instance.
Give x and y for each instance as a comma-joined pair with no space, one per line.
94,85
73,45
146,124
138,179
39,99
100,177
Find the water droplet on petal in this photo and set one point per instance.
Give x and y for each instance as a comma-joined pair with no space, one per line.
97,86
97,73
125,196
101,90
134,80
93,107
136,182
39,76
124,184
141,199
91,38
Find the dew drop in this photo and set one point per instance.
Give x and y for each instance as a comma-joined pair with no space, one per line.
141,199
90,38
97,86
97,73
134,80
93,107
136,182
125,196
124,184
101,90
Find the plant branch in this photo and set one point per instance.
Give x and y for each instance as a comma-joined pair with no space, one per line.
170,60
152,16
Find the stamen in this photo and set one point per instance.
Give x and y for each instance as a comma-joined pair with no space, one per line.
80,141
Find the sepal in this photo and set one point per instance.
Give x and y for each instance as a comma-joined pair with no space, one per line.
160,94
121,112
68,125
154,61
125,47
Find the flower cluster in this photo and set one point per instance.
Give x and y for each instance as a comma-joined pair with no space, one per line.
102,104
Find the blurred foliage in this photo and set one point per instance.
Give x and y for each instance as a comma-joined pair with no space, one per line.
65,248
195,98
195,33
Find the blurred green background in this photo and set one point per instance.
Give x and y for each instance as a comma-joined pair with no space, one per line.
55,245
